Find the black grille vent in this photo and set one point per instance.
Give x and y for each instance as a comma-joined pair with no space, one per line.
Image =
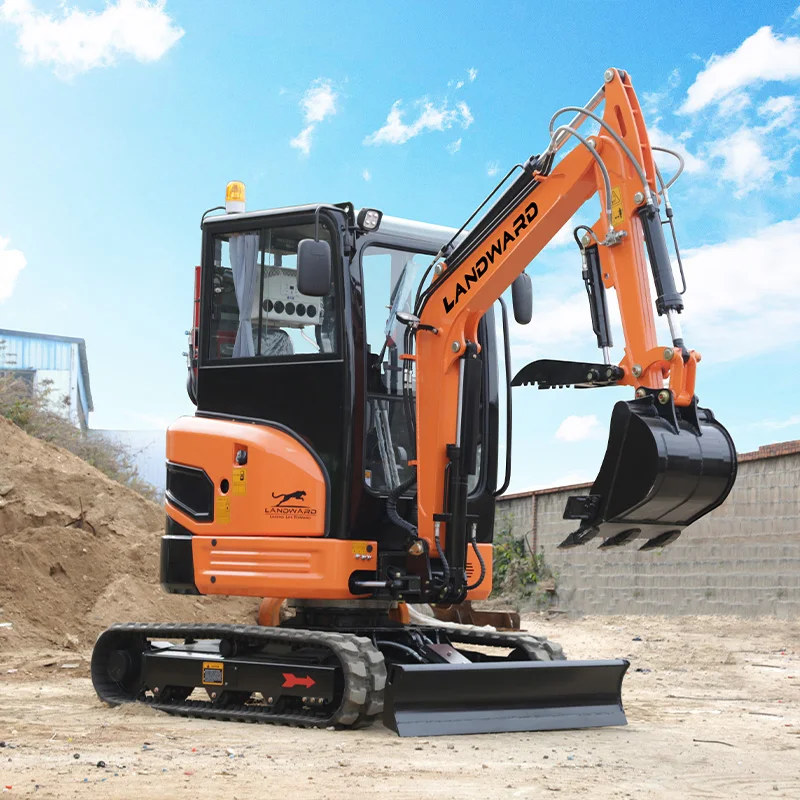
190,490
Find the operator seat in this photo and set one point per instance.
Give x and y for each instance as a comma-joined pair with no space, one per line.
276,342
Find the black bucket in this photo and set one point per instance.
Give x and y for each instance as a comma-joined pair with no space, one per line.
445,699
665,467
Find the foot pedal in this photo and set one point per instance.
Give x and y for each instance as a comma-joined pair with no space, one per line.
549,373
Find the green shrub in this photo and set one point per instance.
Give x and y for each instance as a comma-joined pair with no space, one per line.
519,575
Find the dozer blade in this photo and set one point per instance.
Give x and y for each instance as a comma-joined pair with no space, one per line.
665,467
445,699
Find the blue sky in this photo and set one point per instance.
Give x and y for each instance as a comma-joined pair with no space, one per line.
122,122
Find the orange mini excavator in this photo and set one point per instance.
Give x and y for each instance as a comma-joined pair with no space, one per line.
350,463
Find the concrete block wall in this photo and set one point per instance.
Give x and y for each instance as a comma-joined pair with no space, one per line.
742,559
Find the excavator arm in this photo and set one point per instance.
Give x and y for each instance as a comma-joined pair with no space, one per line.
676,482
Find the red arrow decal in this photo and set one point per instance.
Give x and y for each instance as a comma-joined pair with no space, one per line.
290,681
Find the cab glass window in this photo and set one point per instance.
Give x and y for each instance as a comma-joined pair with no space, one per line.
256,310
391,277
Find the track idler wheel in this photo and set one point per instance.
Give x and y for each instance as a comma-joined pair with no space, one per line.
665,467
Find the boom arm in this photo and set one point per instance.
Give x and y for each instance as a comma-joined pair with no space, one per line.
482,268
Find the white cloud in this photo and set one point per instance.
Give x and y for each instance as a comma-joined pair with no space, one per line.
744,294
780,112
571,478
432,117
302,141
366,175
466,115
76,41
667,163
742,300
655,102
473,73
492,168
454,147
744,161
777,425
318,103
560,321
12,262
652,102
579,429
764,56
733,104
565,235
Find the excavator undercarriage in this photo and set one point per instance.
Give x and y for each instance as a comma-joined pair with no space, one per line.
419,680
354,467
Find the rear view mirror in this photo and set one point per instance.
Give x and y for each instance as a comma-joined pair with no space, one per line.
313,268
522,298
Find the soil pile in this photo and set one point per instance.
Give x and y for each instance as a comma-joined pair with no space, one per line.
80,551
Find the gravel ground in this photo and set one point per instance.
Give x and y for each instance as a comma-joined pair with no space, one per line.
714,713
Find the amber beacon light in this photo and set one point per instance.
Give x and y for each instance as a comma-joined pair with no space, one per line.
234,197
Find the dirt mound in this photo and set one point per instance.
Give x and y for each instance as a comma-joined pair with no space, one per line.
80,551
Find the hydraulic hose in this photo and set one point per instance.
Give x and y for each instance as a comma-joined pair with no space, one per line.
391,506
476,550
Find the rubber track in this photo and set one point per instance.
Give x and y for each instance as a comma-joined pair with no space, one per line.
362,666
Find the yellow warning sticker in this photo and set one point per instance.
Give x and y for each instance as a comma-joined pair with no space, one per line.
239,481
359,548
213,673
222,510
617,215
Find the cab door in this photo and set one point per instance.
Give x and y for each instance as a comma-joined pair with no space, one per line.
269,353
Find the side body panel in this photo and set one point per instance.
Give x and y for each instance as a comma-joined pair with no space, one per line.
279,490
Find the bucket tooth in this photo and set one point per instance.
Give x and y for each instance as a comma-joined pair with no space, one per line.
579,537
621,538
662,540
